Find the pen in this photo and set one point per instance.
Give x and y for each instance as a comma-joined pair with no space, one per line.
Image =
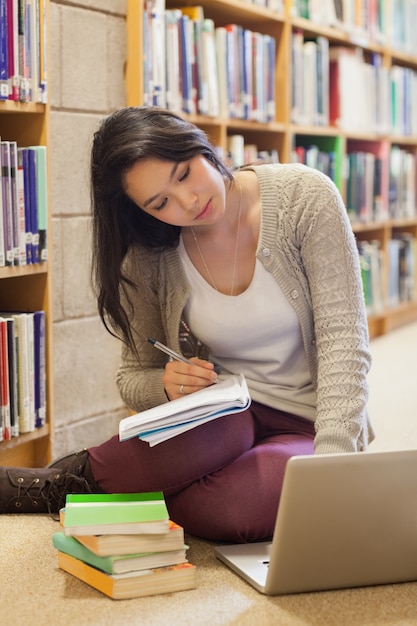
174,355
168,351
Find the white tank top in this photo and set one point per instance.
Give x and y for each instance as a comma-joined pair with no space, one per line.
256,333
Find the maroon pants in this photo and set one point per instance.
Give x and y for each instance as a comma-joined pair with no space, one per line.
222,480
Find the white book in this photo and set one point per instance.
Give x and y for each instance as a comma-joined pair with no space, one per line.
34,49
297,84
15,199
157,92
173,92
210,69
173,418
310,82
26,421
221,55
7,203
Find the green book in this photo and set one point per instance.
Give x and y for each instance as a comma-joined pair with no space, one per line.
118,564
94,514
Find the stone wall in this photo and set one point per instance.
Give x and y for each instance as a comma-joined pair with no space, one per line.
87,57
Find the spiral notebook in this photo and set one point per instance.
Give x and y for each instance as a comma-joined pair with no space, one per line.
173,418
346,520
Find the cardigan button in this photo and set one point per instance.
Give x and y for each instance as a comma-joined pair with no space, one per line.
266,252
294,294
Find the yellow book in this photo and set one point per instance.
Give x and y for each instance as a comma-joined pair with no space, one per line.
132,584
194,13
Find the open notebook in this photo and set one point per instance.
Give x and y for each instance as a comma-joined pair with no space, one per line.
346,520
173,418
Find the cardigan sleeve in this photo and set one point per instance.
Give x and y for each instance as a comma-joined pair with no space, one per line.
139,377
330,260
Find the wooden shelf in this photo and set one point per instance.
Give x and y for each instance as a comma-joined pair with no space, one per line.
281,134
28,288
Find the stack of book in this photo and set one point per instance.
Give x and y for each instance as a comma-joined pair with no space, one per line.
123,545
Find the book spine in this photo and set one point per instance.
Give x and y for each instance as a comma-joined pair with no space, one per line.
7,203
13,375
186,68
13,51
15,202
25,421
4,383
23,69
43,56
2,226
41,195
23,157
28,48
20,193
33,200
158,57
40,368
4,52
221,47
173,94
34,50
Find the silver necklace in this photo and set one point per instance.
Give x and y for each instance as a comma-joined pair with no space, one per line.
203,260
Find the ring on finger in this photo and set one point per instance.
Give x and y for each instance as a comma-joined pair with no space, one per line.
182,389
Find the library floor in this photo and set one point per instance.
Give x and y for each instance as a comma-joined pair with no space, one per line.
34,590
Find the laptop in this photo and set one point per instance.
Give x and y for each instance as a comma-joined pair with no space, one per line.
344,520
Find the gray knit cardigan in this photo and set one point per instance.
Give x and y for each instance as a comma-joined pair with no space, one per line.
307,244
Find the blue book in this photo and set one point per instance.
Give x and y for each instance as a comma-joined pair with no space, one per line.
4,52
33,204
41,200
186,69
40,368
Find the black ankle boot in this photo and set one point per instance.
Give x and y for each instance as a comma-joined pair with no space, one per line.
43,490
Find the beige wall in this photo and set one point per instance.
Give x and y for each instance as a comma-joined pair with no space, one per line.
88,50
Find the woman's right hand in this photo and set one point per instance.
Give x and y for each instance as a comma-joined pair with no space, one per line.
182,378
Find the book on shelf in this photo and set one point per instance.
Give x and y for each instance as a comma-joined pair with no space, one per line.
117,563
172,418
6,183
95,514
4,52
14,186
406,267
13,376
43,52
372,273
13,49
210,98
17,161
22,323
39,356
220,37
33,204
131,584
23,43
5,420
173,92
40,203
23,165
107,545
26,345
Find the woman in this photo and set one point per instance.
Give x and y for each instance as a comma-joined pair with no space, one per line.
261,269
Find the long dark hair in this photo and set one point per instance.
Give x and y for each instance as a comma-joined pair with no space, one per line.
127,136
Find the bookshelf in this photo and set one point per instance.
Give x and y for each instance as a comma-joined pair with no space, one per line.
367,39
28,287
